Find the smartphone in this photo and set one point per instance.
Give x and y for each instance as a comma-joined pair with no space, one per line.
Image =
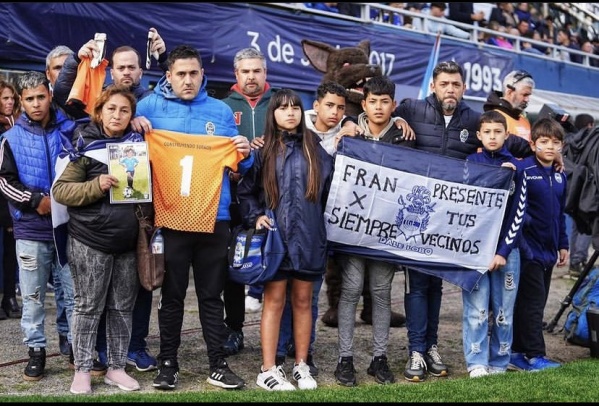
100,38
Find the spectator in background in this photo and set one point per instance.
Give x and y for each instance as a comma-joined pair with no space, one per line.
523,28
10,109
522,11
464,13
564,39
390,17
349,9
589,48
548,30
497,39
533,47
438,10
503,13
54,62
512,101
579,243
330,7
536,20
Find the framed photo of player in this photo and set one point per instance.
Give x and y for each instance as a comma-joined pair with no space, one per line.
129,162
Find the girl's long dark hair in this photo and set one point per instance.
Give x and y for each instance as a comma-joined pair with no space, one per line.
274,145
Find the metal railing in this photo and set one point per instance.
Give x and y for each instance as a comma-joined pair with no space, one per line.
368,10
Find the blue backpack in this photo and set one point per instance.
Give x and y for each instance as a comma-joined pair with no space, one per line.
576,328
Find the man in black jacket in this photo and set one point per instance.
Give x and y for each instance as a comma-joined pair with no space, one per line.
444,125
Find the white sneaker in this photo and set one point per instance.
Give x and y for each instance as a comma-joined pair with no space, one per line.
252,305
274,379
478,372
301,374
495,370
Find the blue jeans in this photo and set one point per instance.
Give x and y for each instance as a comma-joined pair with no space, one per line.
286,332
142,311
422,304
62,326
495,291
36,261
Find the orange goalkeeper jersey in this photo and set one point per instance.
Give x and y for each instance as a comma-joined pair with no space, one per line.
187,176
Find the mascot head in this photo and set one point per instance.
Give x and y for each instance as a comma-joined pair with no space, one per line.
348,66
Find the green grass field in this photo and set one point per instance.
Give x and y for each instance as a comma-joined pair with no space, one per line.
573,382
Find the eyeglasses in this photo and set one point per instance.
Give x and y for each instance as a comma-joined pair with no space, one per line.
520,75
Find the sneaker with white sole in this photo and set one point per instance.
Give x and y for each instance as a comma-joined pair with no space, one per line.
415,368
301,374
478,372
274,379
222,376
142,360
118,377
252,305
434,363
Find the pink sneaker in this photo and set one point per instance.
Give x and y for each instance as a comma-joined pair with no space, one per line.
82,383
119,377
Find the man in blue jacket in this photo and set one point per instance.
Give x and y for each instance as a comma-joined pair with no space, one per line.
29,152
181,104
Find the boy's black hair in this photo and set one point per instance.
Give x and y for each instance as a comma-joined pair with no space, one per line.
546,127
330,87
492,116
380,85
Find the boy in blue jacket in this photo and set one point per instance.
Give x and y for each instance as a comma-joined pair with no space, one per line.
496,290
545,235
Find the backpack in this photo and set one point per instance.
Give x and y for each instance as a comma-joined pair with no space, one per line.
576,328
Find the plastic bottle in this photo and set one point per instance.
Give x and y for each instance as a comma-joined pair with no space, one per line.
157,242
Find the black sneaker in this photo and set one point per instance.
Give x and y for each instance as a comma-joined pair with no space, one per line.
11,307
63,345
223,377
379,368
99,365
345,373
234,343
312,365
434,363
168,375
575,270
415,368
34,371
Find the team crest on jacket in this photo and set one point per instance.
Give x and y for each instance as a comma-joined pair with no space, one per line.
558,177
413,216
464,135
210,128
